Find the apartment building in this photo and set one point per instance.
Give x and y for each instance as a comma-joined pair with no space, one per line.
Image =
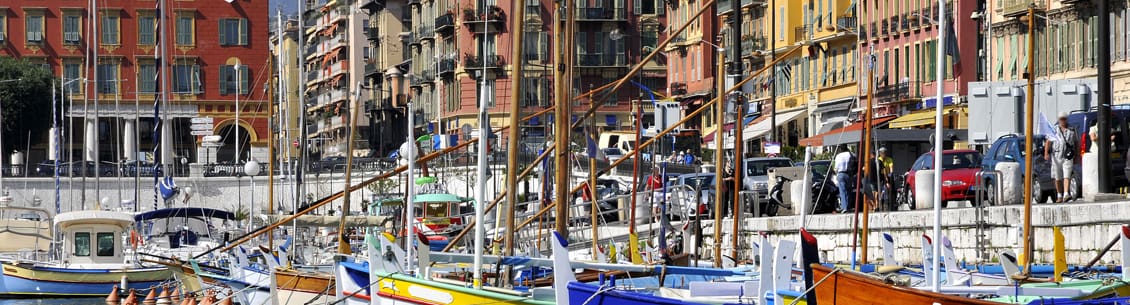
386,65
217,53
285,49
334,59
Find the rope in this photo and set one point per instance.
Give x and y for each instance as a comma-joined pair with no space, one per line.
601,290
821,281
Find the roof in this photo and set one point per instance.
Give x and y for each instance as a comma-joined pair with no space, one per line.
93,217
429,198
184,212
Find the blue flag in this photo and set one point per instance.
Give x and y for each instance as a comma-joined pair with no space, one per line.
591,149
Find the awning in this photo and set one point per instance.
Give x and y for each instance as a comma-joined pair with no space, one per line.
837,105
709,137
829,126
610,120
916,119
840,133
762,127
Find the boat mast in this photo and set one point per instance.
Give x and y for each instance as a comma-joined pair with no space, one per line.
342,240
866,156
563,109
517,55
480,180
939,84
271,137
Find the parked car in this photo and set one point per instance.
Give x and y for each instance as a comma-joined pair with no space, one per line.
133,168
612,154
756,176
47,168
608,192
1120,148
958,178
329,163
1010,148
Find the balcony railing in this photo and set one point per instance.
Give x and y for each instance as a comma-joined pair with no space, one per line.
446,67
371,70
893,93
895,24
489,20
445,24
725,7
801,33
428,76
414,2
1010,8
414,81
751,44
472,62
601,14
884,27
372,34
425,33
848,23
313,75
600,60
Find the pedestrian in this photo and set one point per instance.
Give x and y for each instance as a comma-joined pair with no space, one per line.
886,172
654,189
844,172
1062,156
689,159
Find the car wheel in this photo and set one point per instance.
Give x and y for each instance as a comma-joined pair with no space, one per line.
908,198
990,193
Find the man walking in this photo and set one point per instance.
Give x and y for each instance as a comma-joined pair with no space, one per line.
843,167
1062,157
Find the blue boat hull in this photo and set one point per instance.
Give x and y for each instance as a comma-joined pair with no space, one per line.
15,286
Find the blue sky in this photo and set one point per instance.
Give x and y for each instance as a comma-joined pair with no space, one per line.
289,7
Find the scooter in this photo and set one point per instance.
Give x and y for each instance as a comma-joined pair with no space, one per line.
824,195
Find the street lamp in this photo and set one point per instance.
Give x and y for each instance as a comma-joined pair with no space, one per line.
251,168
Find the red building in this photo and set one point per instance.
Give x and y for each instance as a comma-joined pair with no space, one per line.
215,49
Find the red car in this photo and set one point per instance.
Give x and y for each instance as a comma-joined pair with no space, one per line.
959,173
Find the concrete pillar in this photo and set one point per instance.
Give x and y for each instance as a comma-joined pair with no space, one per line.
924,189
1090,176
91,143
129,142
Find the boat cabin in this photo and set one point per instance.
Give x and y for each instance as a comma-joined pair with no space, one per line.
93,237
25,231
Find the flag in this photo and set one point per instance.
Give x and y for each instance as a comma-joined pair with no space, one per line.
785,71
1048,130
590,148
951,46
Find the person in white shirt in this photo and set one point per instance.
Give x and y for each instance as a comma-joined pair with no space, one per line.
841,164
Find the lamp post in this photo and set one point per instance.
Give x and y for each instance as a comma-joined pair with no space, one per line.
251,168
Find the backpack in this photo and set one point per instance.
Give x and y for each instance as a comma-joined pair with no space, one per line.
1068,149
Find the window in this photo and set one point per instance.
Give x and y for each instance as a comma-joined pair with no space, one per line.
533,7
109,29
649,40
233,32
3,28
105,244
108,78
146,27
185,29
186,78
146,75
533,46
648,7
82,244
34,26
72,29
229,79
71,72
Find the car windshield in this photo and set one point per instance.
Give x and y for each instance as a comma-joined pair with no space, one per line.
820,168
961,160
698,181
761,167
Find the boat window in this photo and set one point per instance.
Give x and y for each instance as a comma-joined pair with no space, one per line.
82,244
105,244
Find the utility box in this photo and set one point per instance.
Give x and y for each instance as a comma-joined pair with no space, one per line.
667,114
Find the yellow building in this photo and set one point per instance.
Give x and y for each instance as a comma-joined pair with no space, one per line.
288,110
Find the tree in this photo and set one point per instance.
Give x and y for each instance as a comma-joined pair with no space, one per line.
26,102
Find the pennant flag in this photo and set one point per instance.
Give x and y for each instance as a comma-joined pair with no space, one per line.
1048,130
168,188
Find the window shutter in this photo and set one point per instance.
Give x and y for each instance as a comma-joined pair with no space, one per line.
660,6
636,6
244,80
223,38
543,46
224,75
196,84
243,31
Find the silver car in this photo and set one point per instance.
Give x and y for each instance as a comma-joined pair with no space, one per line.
756,176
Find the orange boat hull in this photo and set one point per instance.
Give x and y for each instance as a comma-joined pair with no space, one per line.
847,288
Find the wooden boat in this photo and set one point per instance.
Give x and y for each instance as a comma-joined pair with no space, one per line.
843,287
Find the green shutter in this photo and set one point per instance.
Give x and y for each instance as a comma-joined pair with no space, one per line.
223,37
243,31
244,80
224,75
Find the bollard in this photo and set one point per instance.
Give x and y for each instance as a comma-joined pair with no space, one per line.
131,299
113,298
176,295
227,300
124,283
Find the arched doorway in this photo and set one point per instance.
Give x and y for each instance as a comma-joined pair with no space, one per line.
227,152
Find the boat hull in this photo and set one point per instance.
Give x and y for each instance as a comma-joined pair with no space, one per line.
403,289
36,281
848,288
587,294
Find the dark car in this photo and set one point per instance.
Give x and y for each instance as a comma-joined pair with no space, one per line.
1081,121
608,192
330,164
133,168
1010,148
683,197
47,168
87,169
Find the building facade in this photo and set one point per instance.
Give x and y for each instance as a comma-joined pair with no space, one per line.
335,54
285,49
217,52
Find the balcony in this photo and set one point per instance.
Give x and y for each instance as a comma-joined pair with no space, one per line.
848,23
373,5
445,24
428,76
678,88
1013,8
883,28
911,21
313,76
371,70
601,14
414,81
425,33
751,44
894,93
724,6
446,68
800,33
894,24
472,62
489,20
372,34
601,60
